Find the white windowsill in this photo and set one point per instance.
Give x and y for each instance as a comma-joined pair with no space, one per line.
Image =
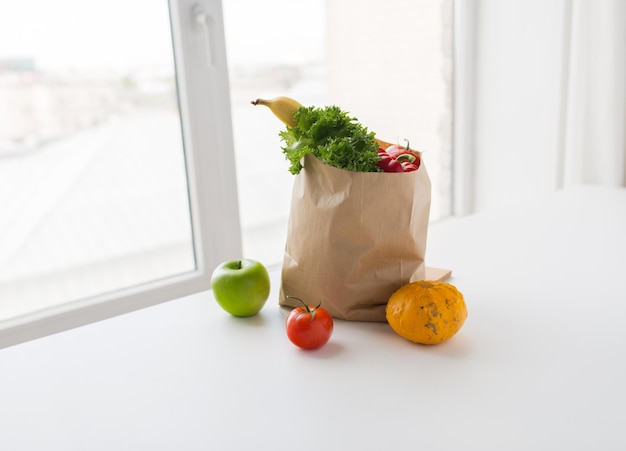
533,368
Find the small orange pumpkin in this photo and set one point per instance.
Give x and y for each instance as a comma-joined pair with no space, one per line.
426,312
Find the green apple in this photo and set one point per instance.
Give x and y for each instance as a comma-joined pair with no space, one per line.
241,287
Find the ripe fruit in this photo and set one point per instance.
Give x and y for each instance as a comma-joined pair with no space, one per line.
283,107
309,327
241,287
426,312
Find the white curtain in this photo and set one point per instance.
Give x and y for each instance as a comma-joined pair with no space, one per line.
595,121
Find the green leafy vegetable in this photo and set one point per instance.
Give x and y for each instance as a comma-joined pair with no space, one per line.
334,137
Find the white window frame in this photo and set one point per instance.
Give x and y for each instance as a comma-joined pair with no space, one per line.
464,83
204,101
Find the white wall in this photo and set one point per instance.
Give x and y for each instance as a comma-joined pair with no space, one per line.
516,116
390,67
518,95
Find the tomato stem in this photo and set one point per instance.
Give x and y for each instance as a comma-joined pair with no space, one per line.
306,306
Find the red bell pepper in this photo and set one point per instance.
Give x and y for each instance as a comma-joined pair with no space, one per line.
398,159
387,163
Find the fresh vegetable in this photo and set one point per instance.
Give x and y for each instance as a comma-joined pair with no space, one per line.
388,164
396,158
426,312
333,136
309,327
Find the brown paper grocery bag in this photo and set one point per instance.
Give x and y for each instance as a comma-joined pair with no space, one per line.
354,238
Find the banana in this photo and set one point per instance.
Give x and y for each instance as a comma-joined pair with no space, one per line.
283,107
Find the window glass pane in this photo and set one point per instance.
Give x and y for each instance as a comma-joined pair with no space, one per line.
387,63
92,172
267,58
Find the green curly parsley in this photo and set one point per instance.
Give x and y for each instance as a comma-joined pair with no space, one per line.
332,136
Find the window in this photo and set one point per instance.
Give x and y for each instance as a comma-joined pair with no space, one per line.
387,63
108,167
127,170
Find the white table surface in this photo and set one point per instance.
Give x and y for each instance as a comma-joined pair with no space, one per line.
540,363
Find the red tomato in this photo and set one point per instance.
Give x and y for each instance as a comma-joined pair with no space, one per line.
309,327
